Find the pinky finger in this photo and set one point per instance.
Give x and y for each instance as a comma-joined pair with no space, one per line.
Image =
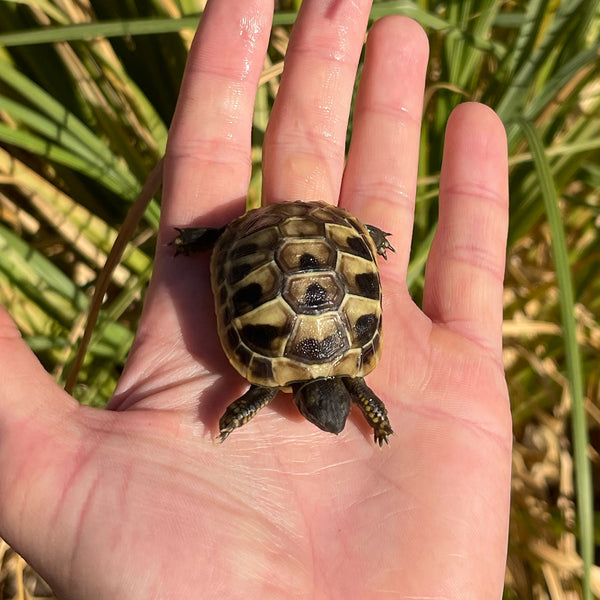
465,270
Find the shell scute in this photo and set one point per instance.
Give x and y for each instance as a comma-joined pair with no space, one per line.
267,329
349,241
301,254
330,214
318,338
312,293
302,227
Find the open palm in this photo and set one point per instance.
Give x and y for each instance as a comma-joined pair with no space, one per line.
140,502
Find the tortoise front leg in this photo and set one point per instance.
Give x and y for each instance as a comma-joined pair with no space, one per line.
372,408
240,411
195,239
379,238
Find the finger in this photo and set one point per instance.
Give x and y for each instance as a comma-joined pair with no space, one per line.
27,389
207,163
206,174
33,422
465,270
304,147
380,177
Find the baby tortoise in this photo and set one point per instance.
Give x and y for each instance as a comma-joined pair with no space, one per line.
298,304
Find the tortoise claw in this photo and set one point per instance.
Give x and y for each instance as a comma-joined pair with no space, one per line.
382,434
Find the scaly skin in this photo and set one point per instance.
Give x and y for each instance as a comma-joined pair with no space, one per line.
240,411
372,408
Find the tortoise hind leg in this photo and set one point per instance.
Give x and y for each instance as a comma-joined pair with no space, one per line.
379,238
240,411
195,239
372,408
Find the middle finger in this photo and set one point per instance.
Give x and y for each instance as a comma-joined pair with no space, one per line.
305,141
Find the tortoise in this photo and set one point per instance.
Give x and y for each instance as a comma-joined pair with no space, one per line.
298,306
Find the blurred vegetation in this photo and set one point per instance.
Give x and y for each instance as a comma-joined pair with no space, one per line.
87,90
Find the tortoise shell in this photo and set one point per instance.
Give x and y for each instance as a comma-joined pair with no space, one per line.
297,294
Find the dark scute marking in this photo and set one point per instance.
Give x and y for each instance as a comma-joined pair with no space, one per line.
365,327
368,283
219,257
243,354
292,209
308,348
226,316
244,250
238,272
318,351
223,295
247,298
315,295
233,339
261,368
359,247
308,261
255,220
260,336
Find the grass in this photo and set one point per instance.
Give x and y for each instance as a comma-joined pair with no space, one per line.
74,160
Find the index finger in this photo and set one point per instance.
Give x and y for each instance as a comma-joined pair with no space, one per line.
207,170
207,163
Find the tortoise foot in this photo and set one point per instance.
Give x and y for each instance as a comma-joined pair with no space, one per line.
380,240
372,408
195,239
240,411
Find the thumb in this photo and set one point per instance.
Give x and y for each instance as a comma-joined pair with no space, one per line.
34,437
24,384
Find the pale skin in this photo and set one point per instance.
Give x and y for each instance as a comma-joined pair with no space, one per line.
141,502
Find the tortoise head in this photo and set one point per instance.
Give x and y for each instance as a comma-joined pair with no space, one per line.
325,402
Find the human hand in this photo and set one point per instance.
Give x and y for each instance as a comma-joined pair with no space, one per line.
139,501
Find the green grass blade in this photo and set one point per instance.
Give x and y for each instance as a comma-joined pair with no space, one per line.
574,366
454,41
65,122
513,100
48,7
528,32
162,25
481,30
88,31
47,127
91,236
48,150
408,8
158,25
560,79
31,271
140,103
47,104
